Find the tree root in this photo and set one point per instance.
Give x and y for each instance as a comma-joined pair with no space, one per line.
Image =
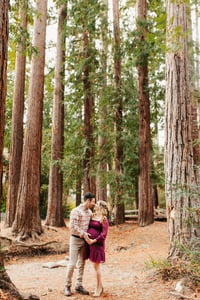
48,227
8,287
35,236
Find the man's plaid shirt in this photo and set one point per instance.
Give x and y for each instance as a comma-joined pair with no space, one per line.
79,220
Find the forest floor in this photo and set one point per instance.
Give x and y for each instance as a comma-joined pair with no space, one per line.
129,251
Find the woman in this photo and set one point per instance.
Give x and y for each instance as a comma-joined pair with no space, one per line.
95,248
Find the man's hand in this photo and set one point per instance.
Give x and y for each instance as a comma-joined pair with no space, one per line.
86,236
90,241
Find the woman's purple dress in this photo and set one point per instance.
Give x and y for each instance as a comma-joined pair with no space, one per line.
96,251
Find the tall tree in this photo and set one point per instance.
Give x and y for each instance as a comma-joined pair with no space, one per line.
54,211
196,95
102,139
3,79
181,190
17,116
118,159
197,45
145,196
5,282
27,219
89,178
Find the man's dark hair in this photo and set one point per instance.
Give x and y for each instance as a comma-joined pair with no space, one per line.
88,196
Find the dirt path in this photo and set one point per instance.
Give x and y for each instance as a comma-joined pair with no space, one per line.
125,275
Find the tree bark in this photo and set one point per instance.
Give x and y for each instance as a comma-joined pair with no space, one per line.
3,78
15,156
194,72
78,189
183,204
5,283
55,211
102,139
89,178
27,219
196,137
119,215
145,193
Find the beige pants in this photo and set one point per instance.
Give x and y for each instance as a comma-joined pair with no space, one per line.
75,260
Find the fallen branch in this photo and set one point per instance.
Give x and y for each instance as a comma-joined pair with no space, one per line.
181,296
34,245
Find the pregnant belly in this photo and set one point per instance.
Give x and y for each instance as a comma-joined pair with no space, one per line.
93,233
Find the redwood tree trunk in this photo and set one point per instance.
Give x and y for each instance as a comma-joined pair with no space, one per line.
196,138
195,87
17,120
6,286
119,216
145,195
89,178
78,189
102,138
3,78
183,204
27,220
55,212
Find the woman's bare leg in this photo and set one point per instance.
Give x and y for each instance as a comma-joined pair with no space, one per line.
99,287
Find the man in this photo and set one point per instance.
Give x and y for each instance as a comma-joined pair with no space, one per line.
78,225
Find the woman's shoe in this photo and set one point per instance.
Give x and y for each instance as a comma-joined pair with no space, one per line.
98,293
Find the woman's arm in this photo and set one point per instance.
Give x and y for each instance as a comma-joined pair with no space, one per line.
102,235
104,232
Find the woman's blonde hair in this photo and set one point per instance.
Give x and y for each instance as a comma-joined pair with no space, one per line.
103,209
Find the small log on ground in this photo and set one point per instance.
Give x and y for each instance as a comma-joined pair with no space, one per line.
15,248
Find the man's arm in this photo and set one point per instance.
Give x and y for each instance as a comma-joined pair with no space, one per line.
75,224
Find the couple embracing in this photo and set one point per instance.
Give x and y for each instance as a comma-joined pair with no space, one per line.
87,241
